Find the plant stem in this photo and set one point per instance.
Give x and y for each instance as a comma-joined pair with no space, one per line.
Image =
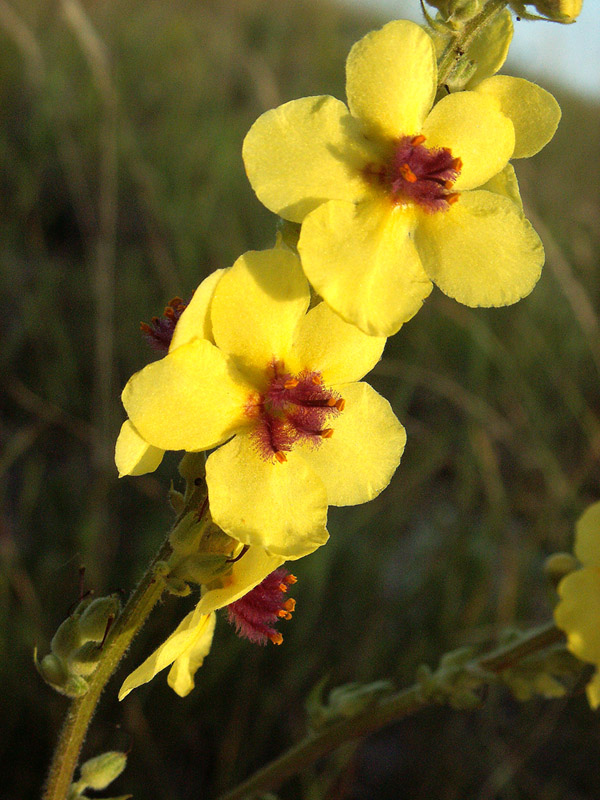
80,714
390,709
456,49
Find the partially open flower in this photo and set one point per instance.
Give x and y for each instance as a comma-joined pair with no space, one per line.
189,644
394,194
280,383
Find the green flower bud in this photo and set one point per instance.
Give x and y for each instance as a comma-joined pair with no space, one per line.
202,568
52,669
67,638
558,565
459,10
84,660
564,11
176,499
75,686
192,468
99,772
96,617
176,586
559,10
185,537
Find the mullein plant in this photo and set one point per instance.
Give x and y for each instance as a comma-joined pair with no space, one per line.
260,379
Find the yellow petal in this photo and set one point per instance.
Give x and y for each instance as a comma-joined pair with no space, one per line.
252,568
593,691
472,126
181,675
280,507
358,461
133,455
578,612
195,322
188,400
534,112
587,536
490,46
303,153
506,184
339,351
482,251
189,630
391,78
257,306
363,262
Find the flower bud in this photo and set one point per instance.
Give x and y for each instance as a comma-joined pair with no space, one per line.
94,620
99,772
202,568
559,10
558,565
184,538
84,660
67,638
52,669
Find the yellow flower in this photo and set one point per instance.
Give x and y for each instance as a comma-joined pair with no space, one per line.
393,194
189,644
277,383
578,612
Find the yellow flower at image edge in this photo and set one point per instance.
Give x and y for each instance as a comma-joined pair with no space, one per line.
394,194
274,388
578,612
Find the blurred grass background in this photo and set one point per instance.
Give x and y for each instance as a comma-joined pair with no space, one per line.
122,185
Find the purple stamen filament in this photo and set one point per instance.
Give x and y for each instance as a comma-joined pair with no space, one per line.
293,409
418,174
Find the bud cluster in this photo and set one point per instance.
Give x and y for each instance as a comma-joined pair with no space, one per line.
76,646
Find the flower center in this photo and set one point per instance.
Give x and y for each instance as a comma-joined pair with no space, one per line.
159,332
417,174
255,613
293,409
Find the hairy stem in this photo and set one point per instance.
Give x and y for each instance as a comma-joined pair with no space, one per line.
390,709
80,714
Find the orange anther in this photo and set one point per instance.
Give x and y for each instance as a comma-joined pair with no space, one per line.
283,587
452,198
291,384
276,638
457,164
340,404
417,140
317,380
169,312
284,614
176,301
291,579
327,433
290,604
332,401
448,184
281,457
144,327
408,174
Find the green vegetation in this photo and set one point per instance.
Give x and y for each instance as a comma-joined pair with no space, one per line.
502,410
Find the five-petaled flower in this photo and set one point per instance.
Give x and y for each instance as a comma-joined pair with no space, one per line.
578,612
394,194
273,386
